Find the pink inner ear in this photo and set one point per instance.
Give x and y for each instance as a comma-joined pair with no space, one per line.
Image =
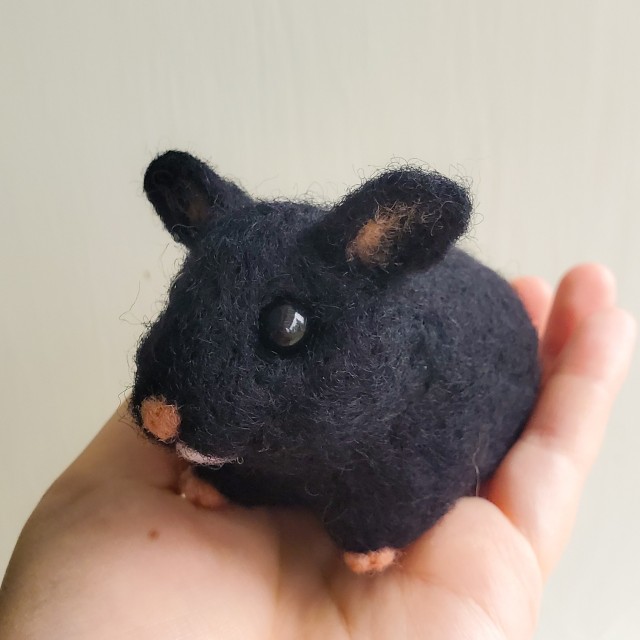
159,418
373,245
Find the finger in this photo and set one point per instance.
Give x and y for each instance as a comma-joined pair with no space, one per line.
119,450
538,484
584,290
535,294
473,556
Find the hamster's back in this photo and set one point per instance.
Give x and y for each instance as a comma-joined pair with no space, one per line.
477,352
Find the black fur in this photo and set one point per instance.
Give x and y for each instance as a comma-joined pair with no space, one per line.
415,378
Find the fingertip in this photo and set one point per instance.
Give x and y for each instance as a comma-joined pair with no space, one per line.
602,346
629,323
533,281
599,277
533,286
619,322
584,290
535,294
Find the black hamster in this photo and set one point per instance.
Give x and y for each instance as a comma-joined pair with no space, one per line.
346,359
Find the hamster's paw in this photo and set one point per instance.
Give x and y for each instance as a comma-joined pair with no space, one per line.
199,492
372,561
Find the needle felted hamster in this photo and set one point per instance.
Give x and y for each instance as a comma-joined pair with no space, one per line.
349,359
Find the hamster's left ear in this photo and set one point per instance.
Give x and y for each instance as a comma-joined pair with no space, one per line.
186,193
403,219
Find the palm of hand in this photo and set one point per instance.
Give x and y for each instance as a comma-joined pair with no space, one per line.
131,558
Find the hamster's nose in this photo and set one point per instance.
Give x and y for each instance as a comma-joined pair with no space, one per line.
159,418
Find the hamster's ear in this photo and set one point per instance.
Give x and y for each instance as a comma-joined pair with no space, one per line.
186,192
403,219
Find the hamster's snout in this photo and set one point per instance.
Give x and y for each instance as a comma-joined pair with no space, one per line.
162,420
159,418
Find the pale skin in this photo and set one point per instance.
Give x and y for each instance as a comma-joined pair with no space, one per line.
112,550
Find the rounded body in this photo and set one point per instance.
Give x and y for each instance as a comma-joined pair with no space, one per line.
346,360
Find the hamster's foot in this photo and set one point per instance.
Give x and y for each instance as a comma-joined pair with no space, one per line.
371,562
199,492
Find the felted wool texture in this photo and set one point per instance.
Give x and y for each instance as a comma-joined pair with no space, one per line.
419,371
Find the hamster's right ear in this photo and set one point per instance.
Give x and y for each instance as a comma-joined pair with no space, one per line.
186,193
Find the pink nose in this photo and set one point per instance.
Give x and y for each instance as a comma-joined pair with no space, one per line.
159,418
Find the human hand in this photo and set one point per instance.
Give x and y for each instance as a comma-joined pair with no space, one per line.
112,551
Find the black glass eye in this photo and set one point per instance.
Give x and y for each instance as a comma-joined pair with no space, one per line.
283,326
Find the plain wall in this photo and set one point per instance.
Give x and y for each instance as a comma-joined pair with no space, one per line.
536,102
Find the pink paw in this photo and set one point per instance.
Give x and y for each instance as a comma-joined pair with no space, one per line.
199,492
371,562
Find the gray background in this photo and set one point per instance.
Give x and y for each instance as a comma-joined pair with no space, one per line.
536,102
